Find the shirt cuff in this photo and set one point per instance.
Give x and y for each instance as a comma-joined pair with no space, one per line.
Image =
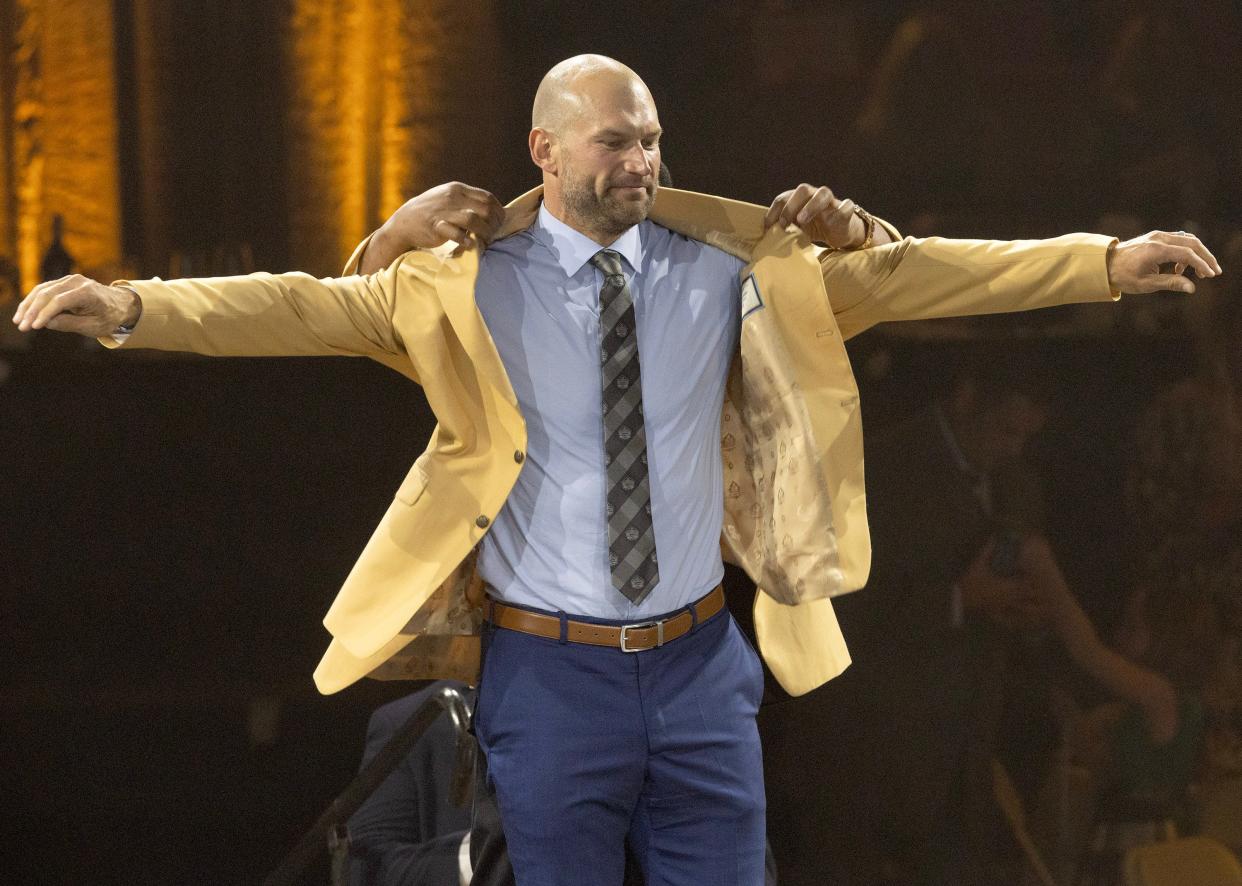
122,333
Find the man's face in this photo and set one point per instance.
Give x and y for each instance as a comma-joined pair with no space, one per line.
609,162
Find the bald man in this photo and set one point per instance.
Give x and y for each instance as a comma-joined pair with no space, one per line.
584,492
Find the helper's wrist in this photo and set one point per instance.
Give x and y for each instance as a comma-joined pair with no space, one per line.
866,226
382,240
860,227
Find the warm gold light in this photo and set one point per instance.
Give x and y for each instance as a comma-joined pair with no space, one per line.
64,157
380,90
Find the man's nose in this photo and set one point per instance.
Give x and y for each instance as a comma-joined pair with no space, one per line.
637,161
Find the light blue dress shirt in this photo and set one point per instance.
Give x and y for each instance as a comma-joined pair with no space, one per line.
539,296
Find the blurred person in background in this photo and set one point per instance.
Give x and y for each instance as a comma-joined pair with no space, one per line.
409,831
959,570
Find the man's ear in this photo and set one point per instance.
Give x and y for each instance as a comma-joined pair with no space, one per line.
543,150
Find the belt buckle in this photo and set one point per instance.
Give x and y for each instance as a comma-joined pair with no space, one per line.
658,625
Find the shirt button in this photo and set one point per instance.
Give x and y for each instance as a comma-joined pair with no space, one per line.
519,456
481,522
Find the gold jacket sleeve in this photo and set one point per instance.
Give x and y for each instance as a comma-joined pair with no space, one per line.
269,315
921,279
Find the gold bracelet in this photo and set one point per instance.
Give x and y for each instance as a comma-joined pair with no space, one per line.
868,221
869,225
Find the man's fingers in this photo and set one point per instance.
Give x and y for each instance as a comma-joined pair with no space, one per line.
1181,238
1171,282
41,307
67,300
81,324
468,220
483,203
775,210
469,211
483,223
494,206
36,298
37,302
464,191
820,202
797,201
449,231
494,214
1184,255
481,226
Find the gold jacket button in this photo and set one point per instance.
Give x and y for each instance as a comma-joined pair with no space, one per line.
519,456
481,522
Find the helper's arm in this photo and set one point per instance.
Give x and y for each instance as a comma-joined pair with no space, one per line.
452,211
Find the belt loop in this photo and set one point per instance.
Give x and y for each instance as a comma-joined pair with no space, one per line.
564,627
694,615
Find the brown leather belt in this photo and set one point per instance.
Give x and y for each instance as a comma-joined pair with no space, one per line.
628,638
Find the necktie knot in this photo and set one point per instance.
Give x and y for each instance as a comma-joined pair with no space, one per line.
609,262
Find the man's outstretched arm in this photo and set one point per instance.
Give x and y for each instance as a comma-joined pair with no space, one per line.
278,314
256,315
938,277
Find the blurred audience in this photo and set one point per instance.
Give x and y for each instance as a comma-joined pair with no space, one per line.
1185,613
890,766
1131,779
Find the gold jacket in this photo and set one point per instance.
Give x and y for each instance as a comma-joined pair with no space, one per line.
791,433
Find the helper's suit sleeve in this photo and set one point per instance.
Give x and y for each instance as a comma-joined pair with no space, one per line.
294,314
920,279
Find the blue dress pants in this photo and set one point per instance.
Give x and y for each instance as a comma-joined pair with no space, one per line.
587,746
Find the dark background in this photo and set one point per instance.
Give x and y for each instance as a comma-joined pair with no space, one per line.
174,529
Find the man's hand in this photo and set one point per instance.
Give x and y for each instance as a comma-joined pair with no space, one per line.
452,211
1134,265
818,212
78,304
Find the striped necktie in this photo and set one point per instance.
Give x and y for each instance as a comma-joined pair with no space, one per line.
631,538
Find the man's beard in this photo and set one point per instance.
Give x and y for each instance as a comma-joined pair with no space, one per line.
605,215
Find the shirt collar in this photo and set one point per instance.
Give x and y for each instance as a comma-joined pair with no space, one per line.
573,249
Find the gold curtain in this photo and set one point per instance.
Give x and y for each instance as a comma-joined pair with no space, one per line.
62,132
386,99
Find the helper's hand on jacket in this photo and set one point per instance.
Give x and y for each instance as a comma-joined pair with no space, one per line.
452,211
823,217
